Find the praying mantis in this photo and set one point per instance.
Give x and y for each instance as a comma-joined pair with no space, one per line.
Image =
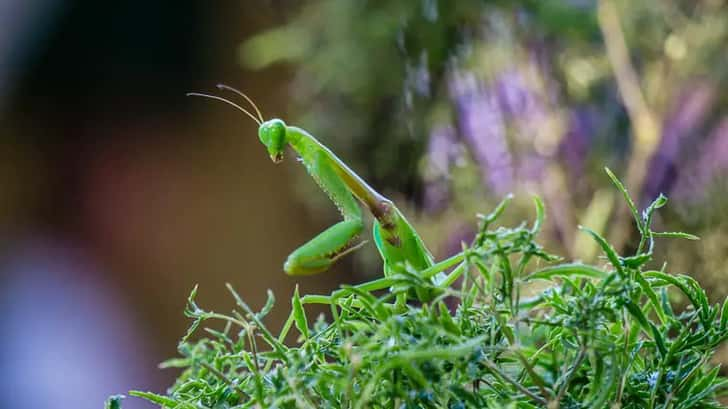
396,240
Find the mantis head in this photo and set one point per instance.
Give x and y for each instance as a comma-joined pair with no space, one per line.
272,134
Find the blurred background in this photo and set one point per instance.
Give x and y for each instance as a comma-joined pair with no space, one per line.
118,194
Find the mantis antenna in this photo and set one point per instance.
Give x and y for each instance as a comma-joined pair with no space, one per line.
250,101
227,101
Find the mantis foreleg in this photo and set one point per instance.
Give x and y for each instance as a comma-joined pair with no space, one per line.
319,253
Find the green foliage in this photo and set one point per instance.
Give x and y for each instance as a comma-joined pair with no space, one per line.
510,335
114,402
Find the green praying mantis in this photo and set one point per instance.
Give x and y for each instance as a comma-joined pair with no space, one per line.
396,240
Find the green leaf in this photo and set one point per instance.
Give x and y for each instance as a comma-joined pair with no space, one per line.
627,198
248,359
707,380
636,261
636,312
161,400
695,398
539,215
677,282
446,319
645,286
659,202
269,338
646,231
634,309
114,402
698,293
269,304
665,302
605,389
607,248
175,363
499,209
415,373
659,339
674,234
567,270
299,314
